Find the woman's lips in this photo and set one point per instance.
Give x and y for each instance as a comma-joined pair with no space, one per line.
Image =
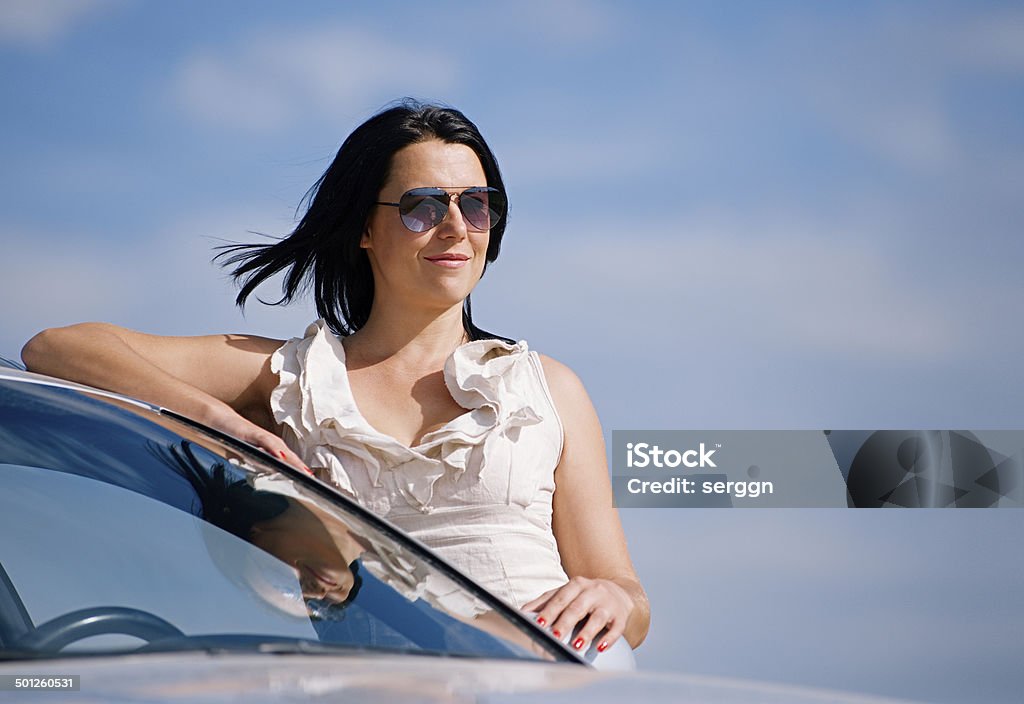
320,577
449,261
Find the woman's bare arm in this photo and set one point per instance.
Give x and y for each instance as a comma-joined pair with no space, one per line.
221,380
586,525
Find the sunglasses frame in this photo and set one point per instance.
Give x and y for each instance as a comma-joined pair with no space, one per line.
436,192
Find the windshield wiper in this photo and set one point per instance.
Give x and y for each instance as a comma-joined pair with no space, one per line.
279,645
215,643
247,643
233,643
7,654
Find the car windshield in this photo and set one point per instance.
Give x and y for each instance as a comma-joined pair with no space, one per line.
124,528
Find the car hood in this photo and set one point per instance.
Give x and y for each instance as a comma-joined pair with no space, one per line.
388,679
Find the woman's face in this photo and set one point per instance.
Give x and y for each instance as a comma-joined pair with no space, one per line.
437,268
319,551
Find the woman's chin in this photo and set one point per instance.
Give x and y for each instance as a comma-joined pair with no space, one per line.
443,295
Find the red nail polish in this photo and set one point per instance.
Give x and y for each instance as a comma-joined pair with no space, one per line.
541,621
280,453
602,647
556,633
578,643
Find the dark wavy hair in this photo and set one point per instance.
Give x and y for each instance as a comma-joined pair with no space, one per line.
323,252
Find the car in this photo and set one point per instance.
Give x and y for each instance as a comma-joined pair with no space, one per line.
146,557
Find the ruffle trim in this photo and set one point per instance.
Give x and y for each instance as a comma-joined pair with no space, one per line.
313,398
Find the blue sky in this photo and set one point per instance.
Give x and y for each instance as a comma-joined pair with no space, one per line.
724,215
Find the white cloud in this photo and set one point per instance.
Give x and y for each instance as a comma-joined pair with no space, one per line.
273,81
163,285
882,86
41,22
890,84
578,156
912,131
763,319
995,41
811,291
793,288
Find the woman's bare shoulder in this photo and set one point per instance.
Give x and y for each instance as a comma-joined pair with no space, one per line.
566,387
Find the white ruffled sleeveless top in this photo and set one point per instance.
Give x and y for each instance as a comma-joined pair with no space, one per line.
477,490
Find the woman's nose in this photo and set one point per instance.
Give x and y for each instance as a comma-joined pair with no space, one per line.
454,223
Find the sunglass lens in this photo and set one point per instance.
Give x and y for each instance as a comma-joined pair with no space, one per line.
482,208
420,212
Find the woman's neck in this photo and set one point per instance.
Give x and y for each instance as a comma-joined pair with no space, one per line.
409,337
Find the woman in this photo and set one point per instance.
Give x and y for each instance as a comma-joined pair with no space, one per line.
395,396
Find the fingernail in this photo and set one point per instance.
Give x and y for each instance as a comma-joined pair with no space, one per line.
602,647
541,621
280,453
578,643
556,633
308,470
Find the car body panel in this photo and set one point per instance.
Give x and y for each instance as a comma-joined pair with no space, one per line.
402,679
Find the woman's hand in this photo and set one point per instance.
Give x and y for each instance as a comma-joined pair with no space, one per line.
226,420
601,603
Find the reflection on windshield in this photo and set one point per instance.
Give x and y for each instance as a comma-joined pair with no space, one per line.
279,542
322,552
321,547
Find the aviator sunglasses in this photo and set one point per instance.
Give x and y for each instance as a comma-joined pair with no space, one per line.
424,208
